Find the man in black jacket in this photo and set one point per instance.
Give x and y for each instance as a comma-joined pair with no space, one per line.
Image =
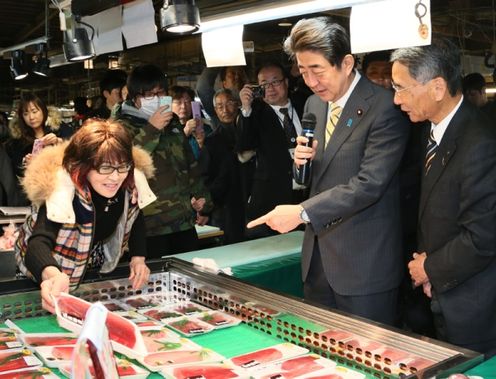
269,125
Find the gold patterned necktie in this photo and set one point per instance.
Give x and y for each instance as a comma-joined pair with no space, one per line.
332,122
431,151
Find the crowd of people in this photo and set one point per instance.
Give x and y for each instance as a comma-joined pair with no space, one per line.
398,217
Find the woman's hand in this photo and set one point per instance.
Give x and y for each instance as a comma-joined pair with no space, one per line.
53,283
27,158
200,138
139,272
50,139
190,127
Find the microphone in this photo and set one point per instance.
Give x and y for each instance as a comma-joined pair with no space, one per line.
303,173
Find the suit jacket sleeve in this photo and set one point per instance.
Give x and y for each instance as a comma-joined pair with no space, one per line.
384,147
473,248
247,133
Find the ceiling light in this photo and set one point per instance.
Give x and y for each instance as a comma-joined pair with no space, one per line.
41,64
179,16
272,11
17,65
77,45
42,67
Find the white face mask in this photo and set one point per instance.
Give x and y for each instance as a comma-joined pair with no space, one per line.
149,106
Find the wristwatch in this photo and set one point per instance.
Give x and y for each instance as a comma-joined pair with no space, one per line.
304,216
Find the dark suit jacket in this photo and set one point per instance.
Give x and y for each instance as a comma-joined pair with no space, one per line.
222,174
457,227
273,177
354,196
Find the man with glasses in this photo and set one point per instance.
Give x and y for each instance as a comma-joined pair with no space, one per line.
351,254
170,225
269,125
455,262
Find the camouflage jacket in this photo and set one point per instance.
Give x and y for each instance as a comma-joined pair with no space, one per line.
177,176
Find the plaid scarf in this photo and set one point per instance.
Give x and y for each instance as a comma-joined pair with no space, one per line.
74,241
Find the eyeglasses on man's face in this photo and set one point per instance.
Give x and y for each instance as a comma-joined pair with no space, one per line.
106,169
399,89
149,95
272,83
227,104
180,102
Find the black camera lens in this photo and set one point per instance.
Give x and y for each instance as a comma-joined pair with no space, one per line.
258,92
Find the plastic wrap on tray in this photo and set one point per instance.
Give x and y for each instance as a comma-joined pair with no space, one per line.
125,335
48,339
163,359
18,360
268,356
205,371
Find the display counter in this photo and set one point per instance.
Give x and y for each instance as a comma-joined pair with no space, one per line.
270,262
267,318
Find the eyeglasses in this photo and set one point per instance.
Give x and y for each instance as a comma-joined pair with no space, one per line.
227,104
181,102
149,95
106,169
273,83
399,90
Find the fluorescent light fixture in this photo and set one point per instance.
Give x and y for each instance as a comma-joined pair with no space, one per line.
179,16
266,12
23,45
491,90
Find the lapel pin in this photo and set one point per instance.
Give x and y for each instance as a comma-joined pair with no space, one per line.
349,122
359,112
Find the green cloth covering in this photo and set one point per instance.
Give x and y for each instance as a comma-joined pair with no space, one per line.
234,341
486,370
252,251
278,274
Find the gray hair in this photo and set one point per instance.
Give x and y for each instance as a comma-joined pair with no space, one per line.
225,91
439,59
320,35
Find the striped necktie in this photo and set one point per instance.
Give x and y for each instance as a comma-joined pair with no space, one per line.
289,128
431,151
332,122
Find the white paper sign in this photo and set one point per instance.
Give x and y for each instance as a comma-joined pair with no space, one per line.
224,47
108,30
389,24
139,23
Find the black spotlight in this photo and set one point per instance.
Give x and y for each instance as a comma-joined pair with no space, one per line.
18,65
42,67
41,63
77,45
179,16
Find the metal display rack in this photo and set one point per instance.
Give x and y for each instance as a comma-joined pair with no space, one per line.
287,318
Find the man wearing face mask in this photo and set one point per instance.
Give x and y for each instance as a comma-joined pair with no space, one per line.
170,221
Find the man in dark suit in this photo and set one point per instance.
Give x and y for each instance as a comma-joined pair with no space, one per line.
269,125
455,261
222,170
351,256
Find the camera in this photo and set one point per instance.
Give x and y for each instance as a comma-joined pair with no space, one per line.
258,91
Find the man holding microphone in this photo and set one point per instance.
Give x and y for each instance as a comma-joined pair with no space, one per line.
351,253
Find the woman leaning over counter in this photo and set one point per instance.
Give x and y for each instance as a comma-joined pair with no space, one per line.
87,196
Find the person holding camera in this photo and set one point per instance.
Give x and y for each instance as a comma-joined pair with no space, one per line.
269,125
